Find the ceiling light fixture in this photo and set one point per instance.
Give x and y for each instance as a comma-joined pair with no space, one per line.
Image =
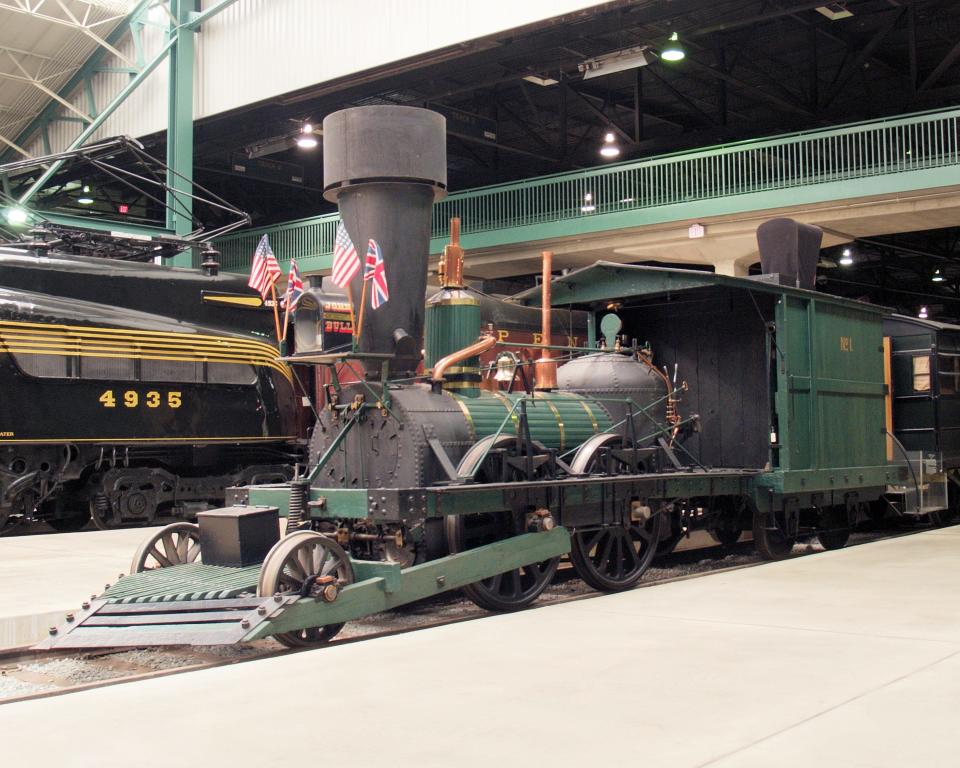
673,51
922,314
542,81
306,138
834,11
16,216
617,61
937,277
588,206
846,258
85,197
610,148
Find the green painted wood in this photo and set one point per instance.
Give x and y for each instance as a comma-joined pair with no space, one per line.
372,596
887,156
191,581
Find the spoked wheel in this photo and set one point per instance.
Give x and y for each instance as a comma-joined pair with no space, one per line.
833,528
305,563
511,590
176,544
508,591
771,543
615,557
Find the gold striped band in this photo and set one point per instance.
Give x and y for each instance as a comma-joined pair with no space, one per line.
457,302
559,418
242,439
586,408
83,341
243,301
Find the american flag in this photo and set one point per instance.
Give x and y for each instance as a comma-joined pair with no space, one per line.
265,271
294,287
375,270
346,263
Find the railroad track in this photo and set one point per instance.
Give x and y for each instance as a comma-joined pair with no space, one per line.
26,674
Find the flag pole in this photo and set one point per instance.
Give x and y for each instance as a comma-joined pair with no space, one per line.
286,316
353,321
276,312
363,306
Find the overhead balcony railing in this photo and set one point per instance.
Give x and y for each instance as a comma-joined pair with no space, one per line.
872,158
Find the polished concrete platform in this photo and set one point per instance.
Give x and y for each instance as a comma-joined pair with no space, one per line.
846,658
45,575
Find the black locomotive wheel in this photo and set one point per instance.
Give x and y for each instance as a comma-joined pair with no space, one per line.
75,521
726,537
295,559
771,543
833,528
508,591
615,557
727,527
511,590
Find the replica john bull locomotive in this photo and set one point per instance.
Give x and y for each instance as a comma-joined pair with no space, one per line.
698,401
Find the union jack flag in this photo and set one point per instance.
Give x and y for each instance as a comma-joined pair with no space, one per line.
346,263
375,270
294,287
264,271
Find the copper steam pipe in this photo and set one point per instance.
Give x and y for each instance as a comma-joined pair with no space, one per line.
481,345
546,367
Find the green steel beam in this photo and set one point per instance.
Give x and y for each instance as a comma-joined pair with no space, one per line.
180,124
382,586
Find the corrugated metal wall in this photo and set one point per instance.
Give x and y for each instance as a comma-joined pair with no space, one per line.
261,48
258,49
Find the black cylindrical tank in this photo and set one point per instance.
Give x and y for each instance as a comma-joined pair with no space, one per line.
384,166
612,378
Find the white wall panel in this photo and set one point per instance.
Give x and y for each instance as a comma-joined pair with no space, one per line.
261,48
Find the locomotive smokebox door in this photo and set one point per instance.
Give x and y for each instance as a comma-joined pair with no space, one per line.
238,536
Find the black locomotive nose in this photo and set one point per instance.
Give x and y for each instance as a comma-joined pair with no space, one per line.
384,166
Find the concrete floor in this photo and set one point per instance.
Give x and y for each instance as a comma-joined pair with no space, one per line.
43,576
847,658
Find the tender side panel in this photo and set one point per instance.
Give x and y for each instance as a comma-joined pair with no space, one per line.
833,374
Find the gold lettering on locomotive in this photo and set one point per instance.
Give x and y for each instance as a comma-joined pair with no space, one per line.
131,399
6,434
503,335
846,344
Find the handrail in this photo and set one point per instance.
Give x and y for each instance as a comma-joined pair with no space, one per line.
857,151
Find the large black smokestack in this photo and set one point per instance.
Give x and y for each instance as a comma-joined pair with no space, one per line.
790,249
384,166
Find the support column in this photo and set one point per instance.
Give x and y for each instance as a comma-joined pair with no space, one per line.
180,123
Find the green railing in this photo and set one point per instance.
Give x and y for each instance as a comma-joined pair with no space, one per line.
595,199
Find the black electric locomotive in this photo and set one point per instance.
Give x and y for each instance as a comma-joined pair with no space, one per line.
133,392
